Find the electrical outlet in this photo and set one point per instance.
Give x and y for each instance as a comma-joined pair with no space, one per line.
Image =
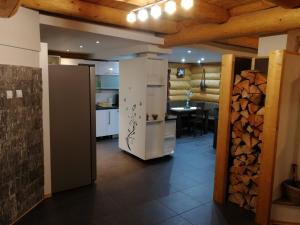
19,94
9,94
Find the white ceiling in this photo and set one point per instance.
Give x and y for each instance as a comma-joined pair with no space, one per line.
61,39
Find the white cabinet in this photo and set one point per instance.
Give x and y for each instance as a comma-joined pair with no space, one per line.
107,68
143,87
107,122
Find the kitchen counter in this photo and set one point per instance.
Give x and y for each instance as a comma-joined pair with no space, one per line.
106,108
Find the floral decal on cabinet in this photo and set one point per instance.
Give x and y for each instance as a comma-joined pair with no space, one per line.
133,123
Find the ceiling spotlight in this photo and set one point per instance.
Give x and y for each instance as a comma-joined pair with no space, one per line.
187,4
97,42
170,7
199,61
155,11
80,46
189,51
131,17
143,15
202,59
68,50
183,60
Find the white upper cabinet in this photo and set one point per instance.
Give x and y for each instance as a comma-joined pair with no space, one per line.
107,68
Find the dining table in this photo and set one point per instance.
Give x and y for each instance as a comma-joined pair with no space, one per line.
186,112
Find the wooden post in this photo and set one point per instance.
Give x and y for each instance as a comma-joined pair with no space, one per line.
221,172
270,130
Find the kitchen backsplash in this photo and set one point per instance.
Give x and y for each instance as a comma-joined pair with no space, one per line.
21,141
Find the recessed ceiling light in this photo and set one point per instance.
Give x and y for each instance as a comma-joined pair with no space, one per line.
110,69
97,42
199,61
202,59
68,50
183,60
80,46
189,51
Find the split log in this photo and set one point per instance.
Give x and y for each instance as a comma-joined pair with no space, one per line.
253,202
250,159
234,179
244,121
246,179
249,129
238,125
237,198
256,120
245,114
238,79
254,89
253,108
245,94
234,116
261,138
255,98
246,139
244,85
236,141
261,127
255,179
249,75
235,98
237,91
236,106
256,132
236,134
243,103
244,149
263,88
254,141
253,190
260,79
253,168
261,112
238,170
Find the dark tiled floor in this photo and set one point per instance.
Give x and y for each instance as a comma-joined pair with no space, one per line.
174,190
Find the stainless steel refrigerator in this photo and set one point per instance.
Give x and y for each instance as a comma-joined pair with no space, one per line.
72,126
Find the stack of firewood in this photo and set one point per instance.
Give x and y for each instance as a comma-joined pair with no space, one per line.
247,118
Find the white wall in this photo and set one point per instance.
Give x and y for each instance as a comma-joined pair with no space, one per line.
46,119
20,39
271,43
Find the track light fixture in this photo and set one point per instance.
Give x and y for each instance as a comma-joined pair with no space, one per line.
155,10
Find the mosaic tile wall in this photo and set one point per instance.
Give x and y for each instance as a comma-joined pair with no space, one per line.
21,141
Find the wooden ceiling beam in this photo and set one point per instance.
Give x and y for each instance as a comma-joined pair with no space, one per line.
9,8
246,42
250,7
98,13
286,3
267,21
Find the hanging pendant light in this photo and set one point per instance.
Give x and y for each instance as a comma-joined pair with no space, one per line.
131,17
187,4
155,11
170,7
143,15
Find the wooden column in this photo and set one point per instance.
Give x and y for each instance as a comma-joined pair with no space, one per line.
221,172
268,155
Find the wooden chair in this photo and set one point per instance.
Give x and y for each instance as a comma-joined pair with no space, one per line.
198,121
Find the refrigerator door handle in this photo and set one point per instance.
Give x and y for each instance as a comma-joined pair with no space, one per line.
109,117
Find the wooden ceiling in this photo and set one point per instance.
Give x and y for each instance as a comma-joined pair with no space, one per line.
227,21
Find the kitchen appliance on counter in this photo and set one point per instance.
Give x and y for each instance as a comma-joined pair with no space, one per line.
72,121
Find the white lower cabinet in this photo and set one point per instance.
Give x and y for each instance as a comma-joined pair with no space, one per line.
107,122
